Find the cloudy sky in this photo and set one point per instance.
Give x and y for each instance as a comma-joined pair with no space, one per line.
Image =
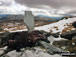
68,6
51,3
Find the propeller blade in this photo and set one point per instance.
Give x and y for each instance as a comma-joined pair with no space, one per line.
29,20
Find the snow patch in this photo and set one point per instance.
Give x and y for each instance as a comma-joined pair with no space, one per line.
60,24
30,53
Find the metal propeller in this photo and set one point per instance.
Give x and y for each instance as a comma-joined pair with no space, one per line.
29,20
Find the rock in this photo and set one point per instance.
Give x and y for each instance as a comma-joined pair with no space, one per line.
68,45
74,24
31,53
69,35
56,35
1,51
62,43
50,48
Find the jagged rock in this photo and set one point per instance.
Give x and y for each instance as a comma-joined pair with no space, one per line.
38,52
74,24
3,38
1,51
19,40
56,35
50,48
69,35
62,43
68,45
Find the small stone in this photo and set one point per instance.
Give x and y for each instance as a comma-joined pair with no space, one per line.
73,43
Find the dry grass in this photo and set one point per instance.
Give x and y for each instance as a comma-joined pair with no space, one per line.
13,25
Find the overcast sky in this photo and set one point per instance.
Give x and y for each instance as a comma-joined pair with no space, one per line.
57,4
51,3
68,6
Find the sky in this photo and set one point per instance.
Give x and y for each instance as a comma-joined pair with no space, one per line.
51,3
67,6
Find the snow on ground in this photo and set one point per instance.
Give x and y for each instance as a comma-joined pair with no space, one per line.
38,52
54,26
60,24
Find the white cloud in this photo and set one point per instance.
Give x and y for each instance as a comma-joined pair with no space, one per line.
44,7
67,9
15,8
12,8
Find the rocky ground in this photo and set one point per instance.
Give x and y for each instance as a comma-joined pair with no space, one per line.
54,28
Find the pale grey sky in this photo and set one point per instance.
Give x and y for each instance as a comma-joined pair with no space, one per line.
52,3
65,5
57,4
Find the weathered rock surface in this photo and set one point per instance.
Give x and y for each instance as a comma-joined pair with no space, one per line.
69,45
69,35
32,52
